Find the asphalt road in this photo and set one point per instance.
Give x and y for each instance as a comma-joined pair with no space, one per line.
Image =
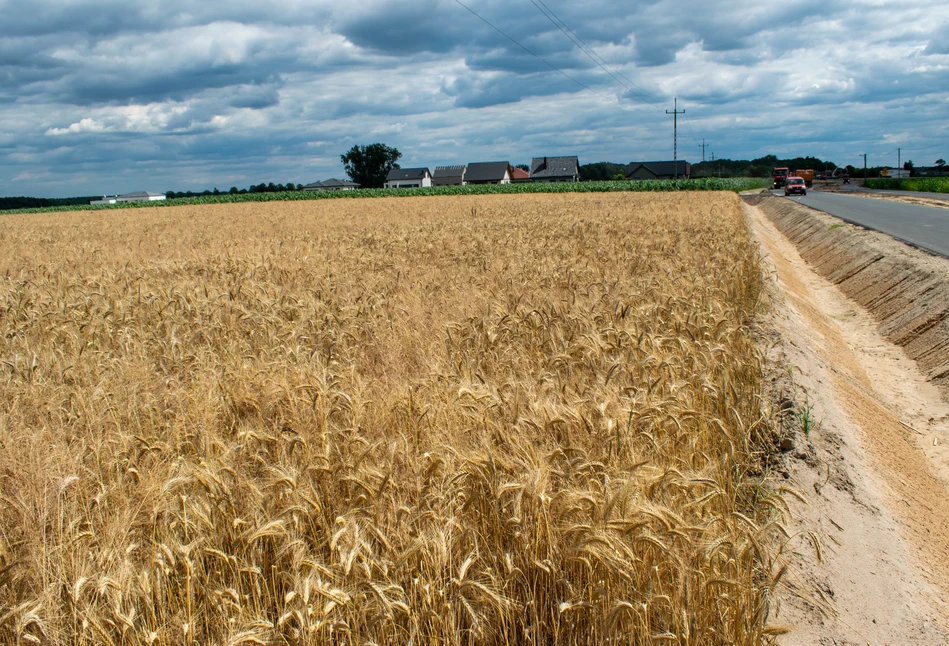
926,227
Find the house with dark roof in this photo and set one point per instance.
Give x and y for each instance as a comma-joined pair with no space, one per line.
498,172
331,185
519,175
408,178
659,170
555,169
449,176
137,196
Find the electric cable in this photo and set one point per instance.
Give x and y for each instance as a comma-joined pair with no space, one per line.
545,62
583,47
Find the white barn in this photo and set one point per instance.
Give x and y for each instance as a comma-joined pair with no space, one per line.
138,196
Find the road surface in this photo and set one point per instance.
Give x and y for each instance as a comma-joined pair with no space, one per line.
926,227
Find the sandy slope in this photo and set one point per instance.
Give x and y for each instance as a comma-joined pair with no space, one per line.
875,500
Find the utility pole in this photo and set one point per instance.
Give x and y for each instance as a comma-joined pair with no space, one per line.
703,146
675,118
899,162
864,170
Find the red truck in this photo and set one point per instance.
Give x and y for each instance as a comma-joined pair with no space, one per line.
779,177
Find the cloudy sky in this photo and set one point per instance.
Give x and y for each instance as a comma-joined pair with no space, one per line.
112,96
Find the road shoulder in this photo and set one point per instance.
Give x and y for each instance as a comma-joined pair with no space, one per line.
863,576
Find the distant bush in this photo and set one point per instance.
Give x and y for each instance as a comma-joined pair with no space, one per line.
17,203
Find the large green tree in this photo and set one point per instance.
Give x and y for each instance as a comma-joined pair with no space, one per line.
601,171
369,165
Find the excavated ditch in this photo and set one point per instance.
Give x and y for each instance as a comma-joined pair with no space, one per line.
906,290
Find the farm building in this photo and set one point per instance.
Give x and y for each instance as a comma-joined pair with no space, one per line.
519,175
449,176
895,172
659,170
409,178
555,169
498,172
331,185
138,196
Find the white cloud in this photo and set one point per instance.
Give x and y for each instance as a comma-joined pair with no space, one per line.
173,91
83,125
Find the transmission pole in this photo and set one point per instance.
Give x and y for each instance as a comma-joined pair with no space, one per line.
675,118
899,163
703,146
864,169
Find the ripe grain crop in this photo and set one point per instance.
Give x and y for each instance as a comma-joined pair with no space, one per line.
456,420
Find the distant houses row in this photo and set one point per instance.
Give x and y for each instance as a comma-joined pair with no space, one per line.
542,169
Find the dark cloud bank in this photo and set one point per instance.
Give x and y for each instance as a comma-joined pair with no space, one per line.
100,95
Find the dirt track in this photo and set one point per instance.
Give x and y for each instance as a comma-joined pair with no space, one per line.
876,496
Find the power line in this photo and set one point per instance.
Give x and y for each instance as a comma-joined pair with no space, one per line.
658,98
689,124
925,147
576,40
589,51
550,65
583,47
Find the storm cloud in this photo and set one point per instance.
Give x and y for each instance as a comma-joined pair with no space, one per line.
102,96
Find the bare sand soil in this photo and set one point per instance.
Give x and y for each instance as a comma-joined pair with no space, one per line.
870,538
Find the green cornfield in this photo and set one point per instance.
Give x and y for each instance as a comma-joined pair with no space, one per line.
704,184
921,184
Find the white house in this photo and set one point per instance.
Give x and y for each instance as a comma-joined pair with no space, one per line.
138,196
409,178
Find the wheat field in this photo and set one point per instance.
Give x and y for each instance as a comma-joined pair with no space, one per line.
512,419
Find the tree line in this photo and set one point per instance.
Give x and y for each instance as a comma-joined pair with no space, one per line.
22,202
256,188
761,167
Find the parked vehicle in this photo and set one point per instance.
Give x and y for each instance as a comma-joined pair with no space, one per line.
795,186
779,176
846,178
806,175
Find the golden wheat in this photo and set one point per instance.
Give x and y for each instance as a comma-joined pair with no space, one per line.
463,420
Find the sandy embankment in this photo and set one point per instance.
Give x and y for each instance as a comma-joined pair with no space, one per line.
863,321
